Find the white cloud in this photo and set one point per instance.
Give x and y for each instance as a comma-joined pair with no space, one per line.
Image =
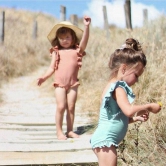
115,12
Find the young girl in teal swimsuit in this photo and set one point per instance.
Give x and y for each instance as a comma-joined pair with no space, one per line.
117,111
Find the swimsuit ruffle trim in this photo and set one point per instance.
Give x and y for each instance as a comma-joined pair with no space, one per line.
109,94
62,86
104,143
79,58
107,107
57,58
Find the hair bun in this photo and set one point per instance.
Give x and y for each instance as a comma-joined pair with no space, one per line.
133,44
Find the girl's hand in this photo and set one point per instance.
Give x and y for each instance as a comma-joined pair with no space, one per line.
142,118
40,81
87,20
154,108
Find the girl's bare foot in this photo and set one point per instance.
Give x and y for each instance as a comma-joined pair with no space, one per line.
61,137
71,134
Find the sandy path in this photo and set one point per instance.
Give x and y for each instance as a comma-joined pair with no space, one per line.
23,98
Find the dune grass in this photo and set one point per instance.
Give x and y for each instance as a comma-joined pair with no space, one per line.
145,143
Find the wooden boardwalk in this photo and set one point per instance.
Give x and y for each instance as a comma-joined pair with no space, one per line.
28,130
22,144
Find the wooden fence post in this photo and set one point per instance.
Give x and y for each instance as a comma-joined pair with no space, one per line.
63,13
127,8
145,17
105,20
34,35
74,19
2,27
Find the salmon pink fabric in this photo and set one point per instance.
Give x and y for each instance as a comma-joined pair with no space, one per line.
68,63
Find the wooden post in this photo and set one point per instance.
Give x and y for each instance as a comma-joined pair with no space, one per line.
105,20
145,17
127,8
2,27
74,19
63,13
34,35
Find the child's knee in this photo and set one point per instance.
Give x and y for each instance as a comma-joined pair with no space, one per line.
71,108
61,107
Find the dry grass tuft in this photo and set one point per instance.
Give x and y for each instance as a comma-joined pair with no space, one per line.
21,54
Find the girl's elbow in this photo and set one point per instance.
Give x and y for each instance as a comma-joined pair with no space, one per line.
128,111
129,114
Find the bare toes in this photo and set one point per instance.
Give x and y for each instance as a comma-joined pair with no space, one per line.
61,137
71,134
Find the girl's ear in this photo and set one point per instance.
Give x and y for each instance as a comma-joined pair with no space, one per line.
123,68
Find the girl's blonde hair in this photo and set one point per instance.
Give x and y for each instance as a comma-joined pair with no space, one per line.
131,54
63,31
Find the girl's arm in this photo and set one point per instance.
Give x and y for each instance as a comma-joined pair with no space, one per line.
128,109
49,71
85,36
142,118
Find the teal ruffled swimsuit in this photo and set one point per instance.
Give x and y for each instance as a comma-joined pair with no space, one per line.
113,123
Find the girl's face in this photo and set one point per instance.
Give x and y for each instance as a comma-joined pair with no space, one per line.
131,74
65,40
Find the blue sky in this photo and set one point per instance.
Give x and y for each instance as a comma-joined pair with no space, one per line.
93,8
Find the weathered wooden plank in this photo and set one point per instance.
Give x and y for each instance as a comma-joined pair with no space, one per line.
21,132
28,127
81,143
33,121
22,158
38,127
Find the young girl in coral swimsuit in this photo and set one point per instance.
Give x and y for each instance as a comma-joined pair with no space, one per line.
117,111
69,43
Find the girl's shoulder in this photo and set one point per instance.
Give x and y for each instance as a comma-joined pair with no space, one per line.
52,49
121,84
79,51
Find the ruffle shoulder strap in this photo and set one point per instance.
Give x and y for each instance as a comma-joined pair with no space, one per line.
123,85
110,102
57,58
129,92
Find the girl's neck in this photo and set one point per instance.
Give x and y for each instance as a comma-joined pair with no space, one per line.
115,80
68,48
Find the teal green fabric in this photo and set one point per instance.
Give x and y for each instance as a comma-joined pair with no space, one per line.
113,123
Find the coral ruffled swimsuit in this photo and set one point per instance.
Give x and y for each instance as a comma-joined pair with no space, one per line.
67,66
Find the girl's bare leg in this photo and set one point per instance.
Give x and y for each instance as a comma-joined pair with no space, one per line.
71,100
106,156
60,95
